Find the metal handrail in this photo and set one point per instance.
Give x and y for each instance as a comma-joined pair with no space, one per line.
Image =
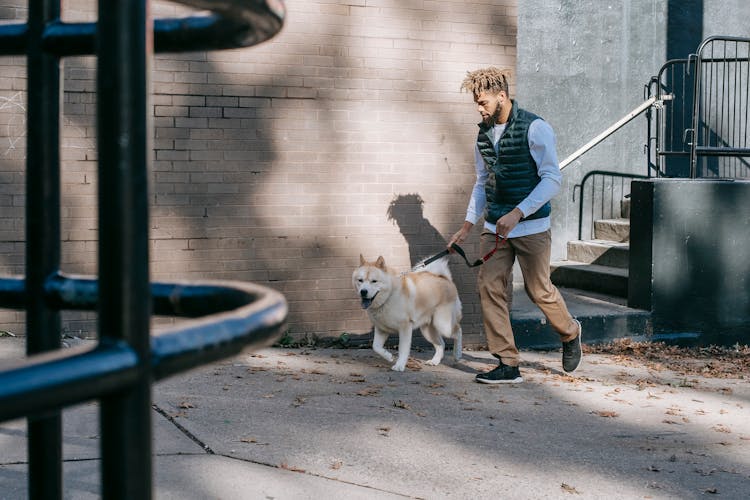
582,186
612,129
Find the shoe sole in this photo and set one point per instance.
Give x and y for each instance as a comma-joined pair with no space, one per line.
516,380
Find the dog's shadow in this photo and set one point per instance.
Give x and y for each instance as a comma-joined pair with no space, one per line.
423,240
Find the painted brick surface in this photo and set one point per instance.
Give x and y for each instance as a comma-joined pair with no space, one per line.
281,163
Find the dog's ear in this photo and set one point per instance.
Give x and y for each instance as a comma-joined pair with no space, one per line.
380,262
362,260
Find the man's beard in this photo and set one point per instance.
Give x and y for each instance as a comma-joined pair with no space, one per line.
494,118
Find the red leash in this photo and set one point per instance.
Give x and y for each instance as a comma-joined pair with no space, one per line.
460,251
498,244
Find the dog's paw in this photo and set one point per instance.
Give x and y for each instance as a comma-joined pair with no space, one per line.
432,362
398,367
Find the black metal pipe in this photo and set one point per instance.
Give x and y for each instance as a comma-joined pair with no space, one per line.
64,377
123,58
201,341
234,24
120,370
13,39
13,293
42,237
721,151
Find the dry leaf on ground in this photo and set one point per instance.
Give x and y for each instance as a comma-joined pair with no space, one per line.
710,361
569,489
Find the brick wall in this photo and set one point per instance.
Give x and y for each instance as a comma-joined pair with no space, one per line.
281,163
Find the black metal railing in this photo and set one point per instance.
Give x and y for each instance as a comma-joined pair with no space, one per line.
701,131
721,109
668,146
604,197
227,316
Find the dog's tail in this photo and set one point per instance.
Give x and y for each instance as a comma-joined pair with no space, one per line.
439,267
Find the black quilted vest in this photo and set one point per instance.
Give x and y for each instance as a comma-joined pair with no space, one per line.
512,170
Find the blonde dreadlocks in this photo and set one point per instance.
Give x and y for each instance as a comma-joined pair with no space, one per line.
490,79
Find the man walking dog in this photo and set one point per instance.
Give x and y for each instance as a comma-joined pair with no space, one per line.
517,176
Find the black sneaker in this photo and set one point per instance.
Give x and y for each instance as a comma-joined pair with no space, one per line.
571,355
503,374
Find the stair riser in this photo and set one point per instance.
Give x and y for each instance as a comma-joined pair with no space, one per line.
586,279
581,251
612,230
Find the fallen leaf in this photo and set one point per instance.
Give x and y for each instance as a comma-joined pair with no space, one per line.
413,364
185,405
369,391
285,466
606,414
337,465
401,404
569,489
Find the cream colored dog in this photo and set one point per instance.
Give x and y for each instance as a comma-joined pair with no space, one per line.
398,303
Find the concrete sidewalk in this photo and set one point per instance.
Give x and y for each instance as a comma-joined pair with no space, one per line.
339,424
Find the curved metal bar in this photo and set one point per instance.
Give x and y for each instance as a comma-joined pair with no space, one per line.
64,377
13,39
240,315
13,293
186,299
238,23
232,24
203,340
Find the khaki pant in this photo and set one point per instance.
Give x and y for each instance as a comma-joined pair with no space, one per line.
496,291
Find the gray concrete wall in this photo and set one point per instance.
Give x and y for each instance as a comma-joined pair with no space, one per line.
582,66
726,17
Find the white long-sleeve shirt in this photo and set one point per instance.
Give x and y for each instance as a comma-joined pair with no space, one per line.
542,146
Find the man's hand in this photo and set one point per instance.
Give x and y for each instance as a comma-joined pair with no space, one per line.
461,235
507,222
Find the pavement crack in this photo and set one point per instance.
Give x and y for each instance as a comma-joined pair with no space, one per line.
318,475
182,429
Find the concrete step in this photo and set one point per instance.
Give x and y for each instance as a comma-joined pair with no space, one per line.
603,317
593,277
602,252
612,229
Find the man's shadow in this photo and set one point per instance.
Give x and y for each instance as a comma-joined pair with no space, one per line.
407,211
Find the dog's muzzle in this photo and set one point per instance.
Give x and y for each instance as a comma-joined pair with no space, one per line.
366,301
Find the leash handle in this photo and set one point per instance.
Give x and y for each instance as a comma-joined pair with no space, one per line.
484,259
460,251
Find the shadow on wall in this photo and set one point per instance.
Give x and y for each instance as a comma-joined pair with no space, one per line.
423,240
407,211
